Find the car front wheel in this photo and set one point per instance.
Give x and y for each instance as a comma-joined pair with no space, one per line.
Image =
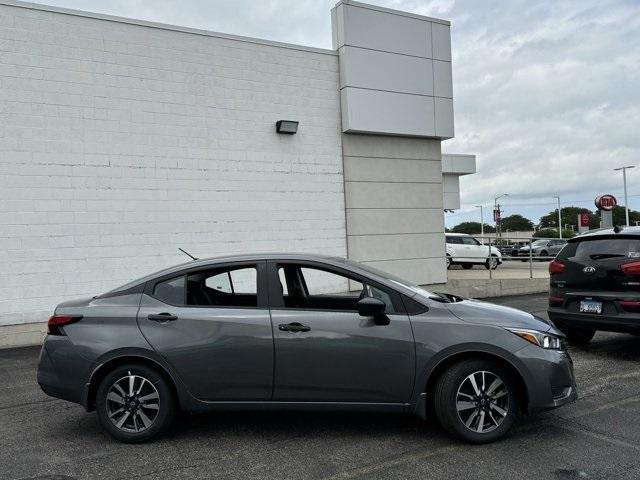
491,263
134,403
475,400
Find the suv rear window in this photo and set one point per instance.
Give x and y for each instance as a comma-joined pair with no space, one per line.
601,248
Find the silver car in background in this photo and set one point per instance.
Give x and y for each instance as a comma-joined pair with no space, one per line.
299,332
546,248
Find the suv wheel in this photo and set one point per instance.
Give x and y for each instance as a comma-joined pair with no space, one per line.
449,263
475,400
578,336
134,403
491,263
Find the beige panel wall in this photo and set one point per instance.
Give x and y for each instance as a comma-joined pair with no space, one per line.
394,202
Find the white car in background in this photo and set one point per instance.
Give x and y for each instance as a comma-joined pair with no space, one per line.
463,249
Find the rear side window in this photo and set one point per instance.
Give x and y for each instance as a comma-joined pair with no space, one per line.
601,249
454,240
170,291
226,287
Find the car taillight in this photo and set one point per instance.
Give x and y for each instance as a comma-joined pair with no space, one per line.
556,267
57,321
632,268
553,300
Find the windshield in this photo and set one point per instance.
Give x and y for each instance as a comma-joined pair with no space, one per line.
400,281
602,248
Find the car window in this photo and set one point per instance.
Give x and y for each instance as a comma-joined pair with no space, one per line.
601,249
170,291
223,287
319,289
469,241
454,240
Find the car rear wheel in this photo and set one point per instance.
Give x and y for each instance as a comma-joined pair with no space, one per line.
134,403
578,336
449,263
475,400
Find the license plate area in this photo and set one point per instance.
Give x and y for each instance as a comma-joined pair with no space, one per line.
591,306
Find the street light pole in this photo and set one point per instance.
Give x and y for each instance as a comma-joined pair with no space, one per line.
624,182
481,221
559,217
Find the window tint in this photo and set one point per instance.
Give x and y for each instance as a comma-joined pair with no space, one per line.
170,291
469,241
454,240
600,249
226,287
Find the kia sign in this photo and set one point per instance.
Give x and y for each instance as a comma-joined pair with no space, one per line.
606,202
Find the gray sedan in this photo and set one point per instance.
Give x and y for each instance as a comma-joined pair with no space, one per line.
299,332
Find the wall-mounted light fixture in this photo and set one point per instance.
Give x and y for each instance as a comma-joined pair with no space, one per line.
287,126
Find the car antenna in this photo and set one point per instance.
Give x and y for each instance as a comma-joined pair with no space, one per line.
187,254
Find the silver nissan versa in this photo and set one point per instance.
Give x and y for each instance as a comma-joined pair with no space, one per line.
299,332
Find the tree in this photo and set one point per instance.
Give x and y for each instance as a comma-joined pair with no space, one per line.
553,233
515,223
569,217
472,228
619,216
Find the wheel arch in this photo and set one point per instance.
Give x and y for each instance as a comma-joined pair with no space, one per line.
441,365
115,360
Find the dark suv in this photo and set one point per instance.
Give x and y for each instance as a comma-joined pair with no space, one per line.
595,284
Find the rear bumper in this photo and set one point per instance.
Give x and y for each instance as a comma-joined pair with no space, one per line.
58,374
622,323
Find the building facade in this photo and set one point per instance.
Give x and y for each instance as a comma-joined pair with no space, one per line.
123,140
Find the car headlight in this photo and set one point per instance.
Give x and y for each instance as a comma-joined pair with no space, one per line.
541,339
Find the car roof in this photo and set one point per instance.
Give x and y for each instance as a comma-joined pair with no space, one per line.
252,257
451,234
608,232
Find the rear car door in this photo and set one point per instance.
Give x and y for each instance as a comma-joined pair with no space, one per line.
324,350
213,326
455,248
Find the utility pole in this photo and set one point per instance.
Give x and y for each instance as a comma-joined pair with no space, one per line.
481,221
624,182
559,217
496,208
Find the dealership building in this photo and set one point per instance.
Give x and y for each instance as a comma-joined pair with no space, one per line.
123,140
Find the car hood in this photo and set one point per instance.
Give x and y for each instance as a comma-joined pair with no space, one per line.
476,311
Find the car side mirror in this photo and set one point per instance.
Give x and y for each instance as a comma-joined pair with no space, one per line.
373,307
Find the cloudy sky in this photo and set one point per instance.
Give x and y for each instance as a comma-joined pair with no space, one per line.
546,92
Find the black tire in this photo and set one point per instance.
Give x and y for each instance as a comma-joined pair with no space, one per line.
467,266
449,262
139,414
543,253
578,336
487,266
445,402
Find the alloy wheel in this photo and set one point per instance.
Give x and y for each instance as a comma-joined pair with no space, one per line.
482,401
132,403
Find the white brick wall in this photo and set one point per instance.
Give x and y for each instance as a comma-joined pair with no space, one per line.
120,143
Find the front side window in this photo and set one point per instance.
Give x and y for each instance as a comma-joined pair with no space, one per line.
318,289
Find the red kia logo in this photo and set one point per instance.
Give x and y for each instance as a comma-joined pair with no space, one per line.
606,202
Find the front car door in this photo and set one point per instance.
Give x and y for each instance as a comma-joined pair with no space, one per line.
212,325
324,350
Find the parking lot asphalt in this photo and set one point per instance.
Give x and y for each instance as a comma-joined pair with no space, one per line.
598,437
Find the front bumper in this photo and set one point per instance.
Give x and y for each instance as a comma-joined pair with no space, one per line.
550,378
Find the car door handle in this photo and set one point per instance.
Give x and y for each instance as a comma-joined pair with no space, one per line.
162,317
293,327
